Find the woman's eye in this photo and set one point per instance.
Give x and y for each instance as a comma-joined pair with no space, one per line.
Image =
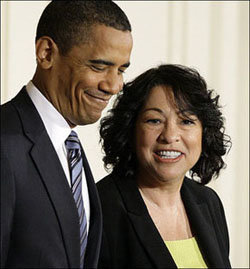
153,121
187,122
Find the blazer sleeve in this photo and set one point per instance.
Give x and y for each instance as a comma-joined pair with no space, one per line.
104,259
220,219
7,205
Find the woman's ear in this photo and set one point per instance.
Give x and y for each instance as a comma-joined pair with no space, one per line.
46,49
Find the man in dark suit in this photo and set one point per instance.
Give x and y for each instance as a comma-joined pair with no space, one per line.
82,50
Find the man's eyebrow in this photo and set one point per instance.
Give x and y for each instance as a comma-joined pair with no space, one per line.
126,64
100,61
104,62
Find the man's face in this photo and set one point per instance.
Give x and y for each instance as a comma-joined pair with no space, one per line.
85,79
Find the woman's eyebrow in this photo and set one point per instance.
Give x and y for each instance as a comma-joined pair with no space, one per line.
186,112
154,109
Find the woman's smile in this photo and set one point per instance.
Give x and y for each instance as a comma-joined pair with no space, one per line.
167,143
168,156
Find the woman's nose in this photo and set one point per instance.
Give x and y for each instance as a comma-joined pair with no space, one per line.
170,133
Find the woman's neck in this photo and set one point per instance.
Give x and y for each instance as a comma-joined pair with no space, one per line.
166,208
163,194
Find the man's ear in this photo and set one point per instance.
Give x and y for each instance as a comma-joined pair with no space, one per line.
46,49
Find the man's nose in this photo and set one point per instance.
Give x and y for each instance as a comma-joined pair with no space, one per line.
112,83
170,133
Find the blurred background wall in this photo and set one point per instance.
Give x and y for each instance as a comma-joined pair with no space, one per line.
211,36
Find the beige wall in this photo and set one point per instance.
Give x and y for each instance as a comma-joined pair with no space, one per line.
211,36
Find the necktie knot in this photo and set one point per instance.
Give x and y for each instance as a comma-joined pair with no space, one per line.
72,142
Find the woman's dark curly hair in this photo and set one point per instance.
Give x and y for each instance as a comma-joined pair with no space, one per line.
191,94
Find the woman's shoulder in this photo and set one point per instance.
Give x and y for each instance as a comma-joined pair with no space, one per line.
105,183
107,186
201,192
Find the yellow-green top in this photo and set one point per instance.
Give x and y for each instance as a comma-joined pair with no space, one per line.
186,253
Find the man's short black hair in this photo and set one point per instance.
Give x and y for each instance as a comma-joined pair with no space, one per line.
69,23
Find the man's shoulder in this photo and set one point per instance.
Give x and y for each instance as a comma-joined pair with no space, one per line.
8,109
16,112
9,117
16,115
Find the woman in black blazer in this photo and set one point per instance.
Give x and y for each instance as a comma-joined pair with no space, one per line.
164,124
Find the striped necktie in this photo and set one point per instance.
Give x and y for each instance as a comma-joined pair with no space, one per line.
73,147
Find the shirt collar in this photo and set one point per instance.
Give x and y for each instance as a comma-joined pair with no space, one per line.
57,127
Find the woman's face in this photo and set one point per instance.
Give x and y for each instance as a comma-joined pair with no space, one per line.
167,143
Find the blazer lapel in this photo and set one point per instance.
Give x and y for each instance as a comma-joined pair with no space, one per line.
202,225
52,175
199,217
147,233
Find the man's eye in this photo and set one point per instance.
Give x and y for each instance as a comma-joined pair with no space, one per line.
97,68
121,71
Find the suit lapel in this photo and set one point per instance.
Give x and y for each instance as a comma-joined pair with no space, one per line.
203,228
95,227
52,175
147,233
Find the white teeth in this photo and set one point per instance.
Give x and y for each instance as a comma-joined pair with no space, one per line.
168,154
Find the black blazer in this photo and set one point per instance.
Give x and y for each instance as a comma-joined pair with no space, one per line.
131,240
39,219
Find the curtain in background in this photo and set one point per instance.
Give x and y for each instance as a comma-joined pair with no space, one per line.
211,36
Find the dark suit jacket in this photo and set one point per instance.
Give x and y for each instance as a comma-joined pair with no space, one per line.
39,219
131,240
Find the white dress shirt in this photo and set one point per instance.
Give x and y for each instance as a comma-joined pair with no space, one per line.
58,130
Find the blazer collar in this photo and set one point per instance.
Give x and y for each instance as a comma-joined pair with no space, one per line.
147,233
203,227
52,175
199,217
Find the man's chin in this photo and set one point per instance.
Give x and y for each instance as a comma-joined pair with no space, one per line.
86,120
